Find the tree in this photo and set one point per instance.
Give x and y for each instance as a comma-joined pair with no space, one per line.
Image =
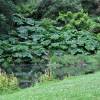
51,8
7,9
92,6
18,1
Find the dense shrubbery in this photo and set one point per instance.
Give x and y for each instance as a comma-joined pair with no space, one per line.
68,65
33,42
33,38
79,21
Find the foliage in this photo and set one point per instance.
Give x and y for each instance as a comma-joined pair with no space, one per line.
68,65
28,44
20,53
8,83
41,39
3,24
91,6
95,28
26,7
74,42
51,8
7,9
47,23
79,20
46,76
71,41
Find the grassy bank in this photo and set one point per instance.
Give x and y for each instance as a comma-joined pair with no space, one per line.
74,88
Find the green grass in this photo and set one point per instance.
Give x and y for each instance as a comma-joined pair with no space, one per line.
86,87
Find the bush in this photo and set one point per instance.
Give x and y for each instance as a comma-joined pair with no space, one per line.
46,76
68,65
38,39
75,42
79,20
8,83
